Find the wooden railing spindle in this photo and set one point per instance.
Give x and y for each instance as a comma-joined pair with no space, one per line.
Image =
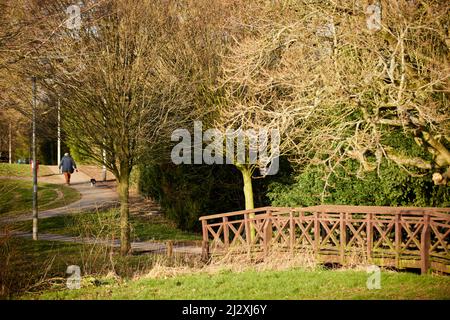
342,238
398,238
369,234
425,245
291,231
226,236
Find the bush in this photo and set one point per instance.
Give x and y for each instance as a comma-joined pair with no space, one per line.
392,187
186,192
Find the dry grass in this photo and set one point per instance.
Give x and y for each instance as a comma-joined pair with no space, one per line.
239,260
234,261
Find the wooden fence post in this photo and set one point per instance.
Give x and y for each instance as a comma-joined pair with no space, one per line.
226,237
425,243
316,234
343,237
369,233
169,249
291,231
267,233
398,239
247,232
205,243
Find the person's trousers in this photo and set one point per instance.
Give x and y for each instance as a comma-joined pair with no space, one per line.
67,176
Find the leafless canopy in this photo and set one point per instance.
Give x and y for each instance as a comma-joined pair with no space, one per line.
338,90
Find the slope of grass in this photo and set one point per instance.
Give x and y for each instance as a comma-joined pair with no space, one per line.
21,170
16,196
25,263
292,284
106,223
157,228
27,266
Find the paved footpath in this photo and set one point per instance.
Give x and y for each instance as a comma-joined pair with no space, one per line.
102,196
92,198
136,247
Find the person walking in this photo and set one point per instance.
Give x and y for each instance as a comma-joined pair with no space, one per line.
67,166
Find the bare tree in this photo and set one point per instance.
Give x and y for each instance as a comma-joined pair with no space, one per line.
374,82
261,93
113,99
346,76
134,72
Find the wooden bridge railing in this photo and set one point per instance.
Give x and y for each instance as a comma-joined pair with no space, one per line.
387,236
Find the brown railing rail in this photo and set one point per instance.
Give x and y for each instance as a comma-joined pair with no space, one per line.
401,237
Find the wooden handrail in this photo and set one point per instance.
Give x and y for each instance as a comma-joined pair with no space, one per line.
369,209
335,209
235,213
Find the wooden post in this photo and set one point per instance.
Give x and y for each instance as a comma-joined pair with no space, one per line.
226,237
343,237
10,142
268,232
291,231
398,239
169,248
425,243
58,144
316,233
369,232
34,165
205,243
247,232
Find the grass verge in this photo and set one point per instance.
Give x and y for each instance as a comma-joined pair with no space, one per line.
21,170
252,285
16,196
104,223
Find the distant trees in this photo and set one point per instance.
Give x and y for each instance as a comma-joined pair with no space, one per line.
18,124
26,28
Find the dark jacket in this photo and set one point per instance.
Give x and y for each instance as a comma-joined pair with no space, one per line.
67,164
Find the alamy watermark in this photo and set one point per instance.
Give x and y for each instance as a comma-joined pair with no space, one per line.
374,280
373,21
254,147
373,13
74,20
74,279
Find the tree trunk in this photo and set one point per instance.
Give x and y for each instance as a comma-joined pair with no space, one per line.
248,193
248,188
124,184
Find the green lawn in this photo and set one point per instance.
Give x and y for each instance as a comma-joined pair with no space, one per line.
252,285
21,170
16,196
106,223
